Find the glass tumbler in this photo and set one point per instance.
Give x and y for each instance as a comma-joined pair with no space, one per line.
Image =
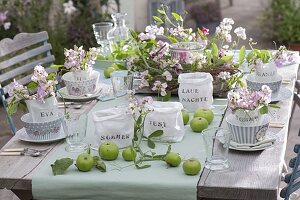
216,142
75,129
100,31
121,82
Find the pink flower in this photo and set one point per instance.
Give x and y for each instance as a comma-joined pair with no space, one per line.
205,31
3,16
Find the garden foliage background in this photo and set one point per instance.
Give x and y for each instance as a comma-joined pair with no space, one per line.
67,22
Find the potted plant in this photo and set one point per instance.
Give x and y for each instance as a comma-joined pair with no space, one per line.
43,104
281,22
80,62
248,105
154,59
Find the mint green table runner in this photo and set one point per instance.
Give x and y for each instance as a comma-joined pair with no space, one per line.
122,180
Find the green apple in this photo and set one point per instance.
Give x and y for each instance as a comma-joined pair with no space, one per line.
84,162
198,124
110,57
206,113
128,155
173,159
191,167
185,117
108,150
108,71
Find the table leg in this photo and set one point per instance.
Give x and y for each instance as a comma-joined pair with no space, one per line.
23,194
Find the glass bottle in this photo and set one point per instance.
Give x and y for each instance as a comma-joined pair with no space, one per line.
120,32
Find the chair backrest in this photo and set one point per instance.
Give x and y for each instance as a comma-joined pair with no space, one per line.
19,56
176,6
292,179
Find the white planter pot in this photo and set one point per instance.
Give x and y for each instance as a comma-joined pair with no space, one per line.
195,90
43,111
81,75
265,72
247,117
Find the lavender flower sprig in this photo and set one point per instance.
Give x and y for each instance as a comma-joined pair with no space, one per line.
246,99
79,59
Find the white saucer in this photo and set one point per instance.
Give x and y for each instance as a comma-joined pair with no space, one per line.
283,94
22,135
64,93
269,135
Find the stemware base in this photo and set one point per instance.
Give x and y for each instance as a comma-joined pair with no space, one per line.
77,148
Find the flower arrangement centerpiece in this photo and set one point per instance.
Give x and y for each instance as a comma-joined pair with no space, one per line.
43,104
249,105
164,53
265,64
80,62
81,78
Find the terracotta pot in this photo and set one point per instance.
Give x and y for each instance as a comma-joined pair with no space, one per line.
295,46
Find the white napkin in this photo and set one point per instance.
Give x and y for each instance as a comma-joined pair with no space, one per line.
258,145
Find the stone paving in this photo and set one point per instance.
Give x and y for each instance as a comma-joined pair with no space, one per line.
245,13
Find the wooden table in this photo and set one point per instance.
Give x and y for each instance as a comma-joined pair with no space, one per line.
253,175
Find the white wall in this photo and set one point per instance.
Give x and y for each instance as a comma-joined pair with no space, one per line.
137,13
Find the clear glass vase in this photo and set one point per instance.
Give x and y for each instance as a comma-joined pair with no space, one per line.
119,34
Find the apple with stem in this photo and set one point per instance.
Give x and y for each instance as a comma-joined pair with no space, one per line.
198,124
191,167
205,113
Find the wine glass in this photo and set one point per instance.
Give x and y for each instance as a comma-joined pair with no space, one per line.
100,31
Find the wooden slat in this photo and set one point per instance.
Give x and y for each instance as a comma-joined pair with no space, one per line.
29,66
25,80
21,41
24,56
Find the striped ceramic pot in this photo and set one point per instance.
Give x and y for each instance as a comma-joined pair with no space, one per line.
248,134
247,117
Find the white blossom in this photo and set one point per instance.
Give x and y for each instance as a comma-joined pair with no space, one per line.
7,25
69,8
241,33
168,75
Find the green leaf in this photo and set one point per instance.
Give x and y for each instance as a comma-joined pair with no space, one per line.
12,108
60,166
150,143
250,56
263,110
227,58
242,55
32,85
177,17
214,50
159,20
100,165
56,66
134,34
156,133
172,39
120,66
162,12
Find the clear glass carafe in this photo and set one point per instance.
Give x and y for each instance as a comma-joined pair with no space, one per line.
119,34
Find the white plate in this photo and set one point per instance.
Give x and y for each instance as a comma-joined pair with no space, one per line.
22,135
283,94
64,93
269,135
